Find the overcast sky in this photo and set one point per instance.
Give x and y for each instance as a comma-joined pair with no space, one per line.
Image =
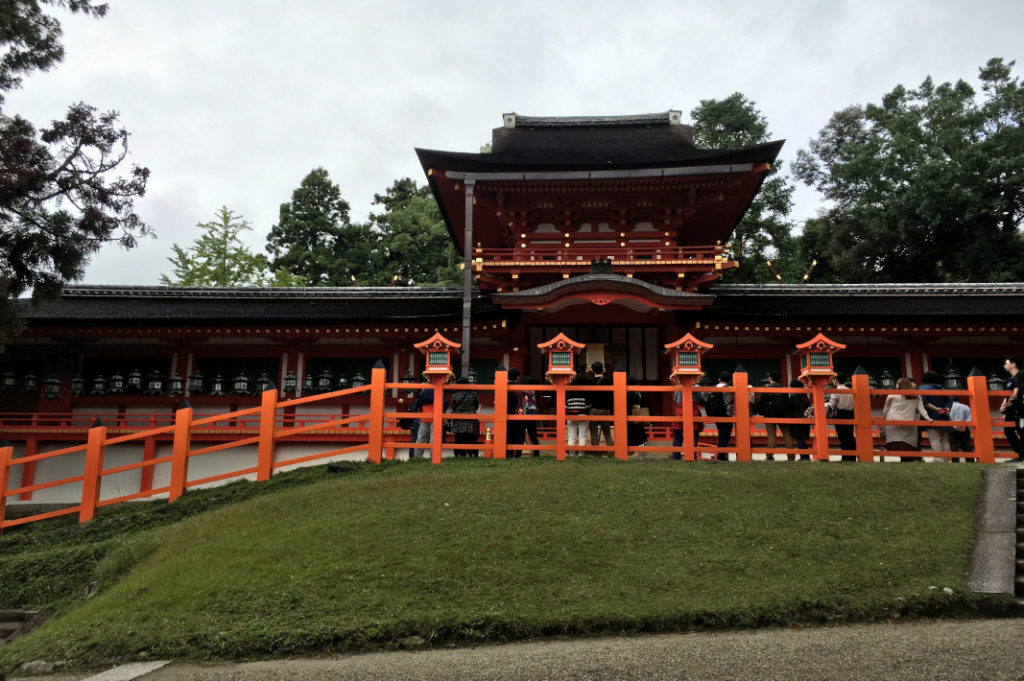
233,102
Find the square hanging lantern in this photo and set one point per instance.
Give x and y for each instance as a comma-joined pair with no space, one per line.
439,351
175,385
77,385
996,382
217,386
240,385
116,383
343,383
9,381
51,388
887,380
358,381
291,382
29,382
686,354
952,378
196,382
99,386
816,356
134,382
155,383
325,381
561,352
307,384
263,382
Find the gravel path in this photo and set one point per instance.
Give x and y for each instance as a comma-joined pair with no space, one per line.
989,650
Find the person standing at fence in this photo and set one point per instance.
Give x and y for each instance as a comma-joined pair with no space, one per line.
903,408
601,405
636,431
960,436
516,429
576,404
721,405
797,405
528,407
425,405
1011,408
937,407
465,431
773,405
841,407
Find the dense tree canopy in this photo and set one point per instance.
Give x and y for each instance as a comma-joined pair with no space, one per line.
314,238
414,246
765,230
60,196
927,185
217,257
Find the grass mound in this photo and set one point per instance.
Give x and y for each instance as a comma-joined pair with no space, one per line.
487,550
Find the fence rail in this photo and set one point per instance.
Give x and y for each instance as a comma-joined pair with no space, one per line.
378,436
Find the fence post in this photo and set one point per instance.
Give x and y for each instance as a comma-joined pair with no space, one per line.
862,415
500,413
28,470
981,414
268,426
378,377
560,382
6,454
437,424
620,411
741,410
91,479
820,417
179,453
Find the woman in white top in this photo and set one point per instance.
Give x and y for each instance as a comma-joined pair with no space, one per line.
903,408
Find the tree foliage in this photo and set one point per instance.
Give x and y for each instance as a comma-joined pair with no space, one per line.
765,230
414,247
927,185
314,238
217,257
60,196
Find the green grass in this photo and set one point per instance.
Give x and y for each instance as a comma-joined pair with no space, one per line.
479,550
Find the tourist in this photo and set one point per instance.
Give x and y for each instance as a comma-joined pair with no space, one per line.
841,407
516,430
960,436
636,431
903,408
600,405
773,405
465,431
1011,408
576,404
721,405
528,407
937,407
798,404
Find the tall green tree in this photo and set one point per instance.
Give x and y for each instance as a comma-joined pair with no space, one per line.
61,195
925,186
765,231
314,238
218,257
414,247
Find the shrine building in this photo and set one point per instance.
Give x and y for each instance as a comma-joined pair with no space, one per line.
611,230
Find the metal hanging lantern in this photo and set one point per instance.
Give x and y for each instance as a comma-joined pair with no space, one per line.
196,382
134,382
307,384
343,382
240,385
358,380
116,383
29,382
996,382
154,383
217,386
474,375
952,379
324,381
291,382
77,385
9,381
408,378
175,385
262,382
51,388
887,380
99,386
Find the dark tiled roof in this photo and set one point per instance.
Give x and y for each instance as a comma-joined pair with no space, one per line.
662,118
168,305
933,301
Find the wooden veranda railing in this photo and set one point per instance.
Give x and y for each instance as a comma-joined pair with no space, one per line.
380,437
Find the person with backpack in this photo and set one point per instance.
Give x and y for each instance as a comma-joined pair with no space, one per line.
527,407
600,405
774,405
720,405
938,407
798,404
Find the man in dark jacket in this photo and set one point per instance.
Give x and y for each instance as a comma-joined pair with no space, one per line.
600,405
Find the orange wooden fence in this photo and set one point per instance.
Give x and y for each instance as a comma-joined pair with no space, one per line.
381,438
